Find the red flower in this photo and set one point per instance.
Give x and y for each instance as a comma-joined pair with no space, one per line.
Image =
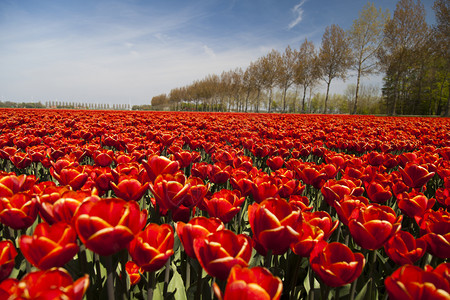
49,246
157,165
241,181
169,190
336,264
219,172
435,225
264,187
196,193
404,249
198,227
415,175
374,226
224,204
18,211
7,255
255,283
378,191
76,177
152,247
55,283
106,226
274,224
414,204
103,158
129,189
411,282
12,184
334,190
21,160
316,226
350,208
220,251
275,162
133,272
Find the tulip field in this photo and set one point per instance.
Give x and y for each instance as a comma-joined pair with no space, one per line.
187,205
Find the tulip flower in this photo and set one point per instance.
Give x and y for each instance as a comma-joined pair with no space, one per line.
374,225
435,227
18,211
106,226
404,249
7,255
414,204
169,190
264,187
275,162
11,184
55,283
151,248
412,282
274,223
129,189
224,204
249,284
218,252
49,246
335,263
334,190
133,272
415,175
73,176
196,193
219,172
241,181
198,227
378,191
157,165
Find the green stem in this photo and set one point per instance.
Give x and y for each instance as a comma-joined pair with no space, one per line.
198,292
311,284
188,274
110,277
268,259
166,277
295,277
353,289
150,283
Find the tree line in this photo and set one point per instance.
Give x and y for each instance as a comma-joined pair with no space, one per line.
412,56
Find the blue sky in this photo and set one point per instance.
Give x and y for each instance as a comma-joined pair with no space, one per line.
127,51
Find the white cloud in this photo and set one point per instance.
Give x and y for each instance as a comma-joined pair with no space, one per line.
298,11
209,51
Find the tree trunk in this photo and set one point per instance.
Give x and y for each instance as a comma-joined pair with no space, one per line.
270,100
326,97
304,97
257,101
355,105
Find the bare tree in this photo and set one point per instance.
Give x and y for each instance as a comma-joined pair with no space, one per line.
334,56
287,66
365,37
306,71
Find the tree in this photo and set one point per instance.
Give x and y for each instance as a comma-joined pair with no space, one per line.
268,72
306,71
403,34
441,34
287,65
334,56
365,37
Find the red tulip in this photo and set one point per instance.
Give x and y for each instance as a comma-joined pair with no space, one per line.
219,172
435,225
152,247
415,175
18,211
378,191
241,181
275,162
157,165
60,203
198,227
169,190
103,158
374,226
334,190
55,283
404,249
133,272
196,193
224,204
76,177
129,189
220,251
264,187
106,226
249,284
21,160
49,246
411,282
336,264
7,255
274,224
414,204
12,184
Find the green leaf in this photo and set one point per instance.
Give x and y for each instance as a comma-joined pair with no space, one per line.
176,285
362,293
